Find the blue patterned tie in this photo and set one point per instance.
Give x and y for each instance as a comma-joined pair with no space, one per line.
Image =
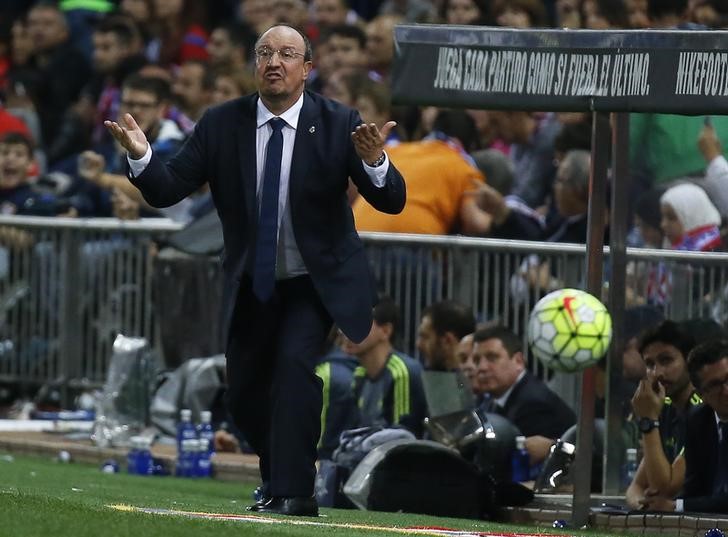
721,477
266,247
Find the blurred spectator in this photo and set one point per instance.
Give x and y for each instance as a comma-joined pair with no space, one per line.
690,221
667,13
346,47
182,33
230,46
465,11
380,43
442,326
411,10
82,17
516,394
16,159
387,384
257,14
142,12
568,14
715,182
58,71
647,218
117,52
293,12
328,13
439,175
192,88
229,84
497,169
637,13
710,13
605,14
531,148
146,98
373,99
521,14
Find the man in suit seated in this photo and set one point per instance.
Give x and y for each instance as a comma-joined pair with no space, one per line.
706,439
516,394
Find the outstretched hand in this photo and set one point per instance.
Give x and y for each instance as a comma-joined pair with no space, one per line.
369,140
129,135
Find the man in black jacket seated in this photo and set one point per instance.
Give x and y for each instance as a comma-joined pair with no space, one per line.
516,394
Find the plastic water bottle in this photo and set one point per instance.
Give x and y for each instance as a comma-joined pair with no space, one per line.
520,462
144,464
131,456
205,432
629,469
203,467
185,428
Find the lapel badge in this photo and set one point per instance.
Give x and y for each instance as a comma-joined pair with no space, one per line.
312,129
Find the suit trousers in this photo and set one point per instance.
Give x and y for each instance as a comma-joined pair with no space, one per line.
274,395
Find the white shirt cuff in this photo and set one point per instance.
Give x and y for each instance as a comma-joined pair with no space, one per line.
717,166
378,175
138,166
679,507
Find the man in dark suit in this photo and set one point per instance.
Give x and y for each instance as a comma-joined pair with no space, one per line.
515,393
278,163
706,440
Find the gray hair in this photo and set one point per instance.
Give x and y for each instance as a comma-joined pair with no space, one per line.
575,167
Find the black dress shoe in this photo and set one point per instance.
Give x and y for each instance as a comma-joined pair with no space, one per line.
263,496
290,506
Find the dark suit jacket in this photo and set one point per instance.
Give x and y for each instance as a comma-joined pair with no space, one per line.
701,459
536,410
222,150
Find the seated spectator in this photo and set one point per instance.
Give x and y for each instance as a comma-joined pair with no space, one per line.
339,412
475,12
464,353
182,33
706,438
521,14
442,326
439,175
230,84
230,46
387,384
147,99
690,221
661,404
192,89
516,394
605,14
16,160
380,44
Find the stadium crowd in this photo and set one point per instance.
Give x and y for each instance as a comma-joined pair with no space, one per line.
67,66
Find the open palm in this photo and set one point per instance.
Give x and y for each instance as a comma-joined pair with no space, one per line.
129,135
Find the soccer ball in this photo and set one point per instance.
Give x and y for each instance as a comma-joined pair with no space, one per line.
569,330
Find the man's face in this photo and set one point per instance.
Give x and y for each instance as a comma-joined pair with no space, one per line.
464,354
168,8
569,199
219,47
496,369
108,51
380,43
670,223
714,386
346,53
368,111
666,365
15,161
377,335
143,106
462,12
188,89
429,343
329,12
46,28
279,79
224,90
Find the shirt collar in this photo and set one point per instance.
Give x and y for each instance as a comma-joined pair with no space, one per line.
290,116
503,399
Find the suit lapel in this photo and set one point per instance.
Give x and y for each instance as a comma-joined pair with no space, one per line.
305,145
247,159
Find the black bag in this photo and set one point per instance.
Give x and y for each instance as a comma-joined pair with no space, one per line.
415,478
